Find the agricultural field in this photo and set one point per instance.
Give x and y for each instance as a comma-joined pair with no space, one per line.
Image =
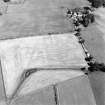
36,18
44,17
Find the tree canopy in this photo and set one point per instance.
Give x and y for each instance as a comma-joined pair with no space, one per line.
97,3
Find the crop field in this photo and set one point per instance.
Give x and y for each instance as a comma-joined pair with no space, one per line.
94,36
41,17
37,17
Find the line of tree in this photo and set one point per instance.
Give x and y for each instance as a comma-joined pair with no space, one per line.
97,3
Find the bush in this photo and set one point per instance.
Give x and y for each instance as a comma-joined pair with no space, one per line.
97,3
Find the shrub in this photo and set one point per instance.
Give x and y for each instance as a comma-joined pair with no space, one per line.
97,3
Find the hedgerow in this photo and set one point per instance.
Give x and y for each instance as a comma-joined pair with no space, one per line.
97,3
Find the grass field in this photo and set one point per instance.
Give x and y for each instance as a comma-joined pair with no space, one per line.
37,17
95,37
95,42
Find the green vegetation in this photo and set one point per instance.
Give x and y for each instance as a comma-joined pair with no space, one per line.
97,3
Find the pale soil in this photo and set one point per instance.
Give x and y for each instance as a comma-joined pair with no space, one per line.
75,91
39,52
